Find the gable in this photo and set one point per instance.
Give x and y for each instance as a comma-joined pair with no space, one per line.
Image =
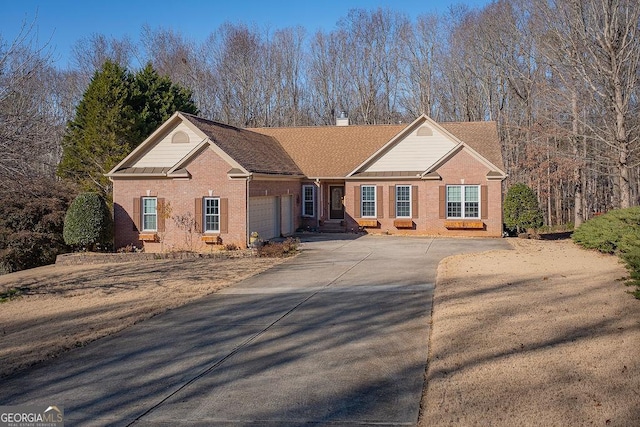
463,164
416,151
425,145
481,137
169,149
255,152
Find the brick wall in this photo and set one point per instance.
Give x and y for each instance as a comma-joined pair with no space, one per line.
462,167
209,178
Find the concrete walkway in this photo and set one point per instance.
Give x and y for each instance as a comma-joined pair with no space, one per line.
335,336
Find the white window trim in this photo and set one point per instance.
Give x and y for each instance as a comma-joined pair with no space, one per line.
313,201
463,202
410,202
143,214
375,201
204,215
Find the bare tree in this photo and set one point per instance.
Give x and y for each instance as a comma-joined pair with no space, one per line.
238,64
327,76
171,54
31,123
285,74
90,53
600,39
374,60
417,95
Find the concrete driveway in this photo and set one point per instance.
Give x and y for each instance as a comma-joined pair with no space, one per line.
338,336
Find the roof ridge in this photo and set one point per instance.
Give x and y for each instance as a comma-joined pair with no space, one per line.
466,122
222,125
329,126
249,129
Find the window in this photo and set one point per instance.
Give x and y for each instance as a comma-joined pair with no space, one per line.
211,214
463,201
368,201
308,201
403,201
149,214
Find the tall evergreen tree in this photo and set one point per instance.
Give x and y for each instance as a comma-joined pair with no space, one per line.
97,138
154,99
117,112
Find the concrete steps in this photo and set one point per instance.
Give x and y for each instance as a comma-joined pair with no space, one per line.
333,227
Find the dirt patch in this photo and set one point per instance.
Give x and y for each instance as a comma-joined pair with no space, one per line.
56,308
545,334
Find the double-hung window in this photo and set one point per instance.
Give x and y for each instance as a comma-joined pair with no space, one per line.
463,201
211,215
308,200
149,214
368,201
403,201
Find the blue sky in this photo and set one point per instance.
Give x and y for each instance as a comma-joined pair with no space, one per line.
63,22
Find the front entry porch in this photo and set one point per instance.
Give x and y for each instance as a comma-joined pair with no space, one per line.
332,215
329,207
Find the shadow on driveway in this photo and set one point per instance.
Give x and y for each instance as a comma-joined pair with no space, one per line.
338,334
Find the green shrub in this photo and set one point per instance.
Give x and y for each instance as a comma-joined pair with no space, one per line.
605,233
88,222
616,232
521,209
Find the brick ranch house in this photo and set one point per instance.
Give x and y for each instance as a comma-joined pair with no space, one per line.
424,178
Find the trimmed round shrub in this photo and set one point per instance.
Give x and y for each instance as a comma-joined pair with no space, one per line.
521,209
87,222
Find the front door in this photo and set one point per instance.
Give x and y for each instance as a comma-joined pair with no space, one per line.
336,200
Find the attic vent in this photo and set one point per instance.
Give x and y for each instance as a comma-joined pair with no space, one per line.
425,131
180,137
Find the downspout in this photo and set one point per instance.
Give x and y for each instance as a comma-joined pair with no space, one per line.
319,205
247,231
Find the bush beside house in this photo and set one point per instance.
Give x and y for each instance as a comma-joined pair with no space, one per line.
88,222
521,209
616,232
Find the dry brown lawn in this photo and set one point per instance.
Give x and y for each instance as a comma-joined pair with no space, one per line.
542,335
61,307
545,334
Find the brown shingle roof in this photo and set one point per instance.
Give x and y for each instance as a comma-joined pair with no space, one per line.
335,151
332,151
481,136
255,152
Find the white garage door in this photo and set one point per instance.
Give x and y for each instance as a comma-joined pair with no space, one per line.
286,213
264,217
